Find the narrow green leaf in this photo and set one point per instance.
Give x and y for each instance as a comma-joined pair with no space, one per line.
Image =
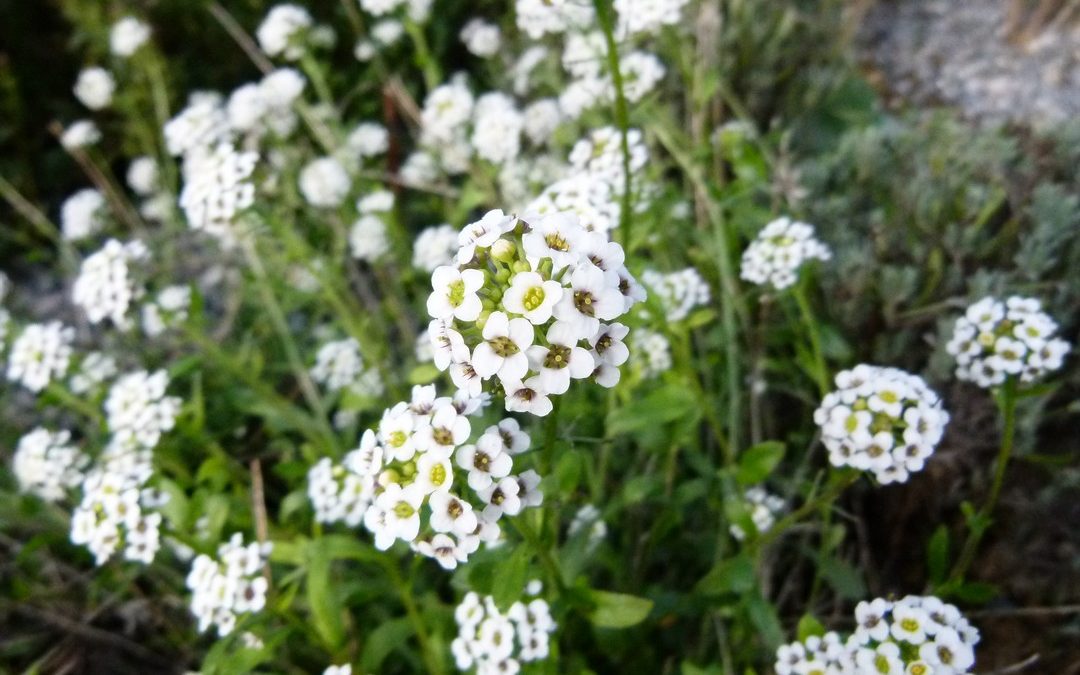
618,610
732,575
381,642
509,583
322,598
937,555
809,626
758,461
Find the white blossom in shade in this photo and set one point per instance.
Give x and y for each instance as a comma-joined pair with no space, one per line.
80,134
881,420
521,71
447,110
380,201
434,247
540,119
589,522
201,125
217,187
325,183
490,641
227,587
387,32
117,513
679,292
779,250
763,508
5,286
95,88
651,353
497,128
168,309
344,669
995,340
537,17
138,409
647,16
127,35
364,50
641,72
338,494
380,7
367,238
419,10
46,464
94,370
106,285
338,364
601,154
252,641
588,197
481,38
368,139
419,169
910,636
281,32
40,354
142,176
157,208
82,214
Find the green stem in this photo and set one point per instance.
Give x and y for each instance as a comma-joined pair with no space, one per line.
824,499
531,537
821,371
981,523
432,661
606,16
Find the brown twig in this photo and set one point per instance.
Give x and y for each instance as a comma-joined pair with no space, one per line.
258,505
240,36
1016,667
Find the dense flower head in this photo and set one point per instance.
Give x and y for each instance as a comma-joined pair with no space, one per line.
647,16
40,354
778,252
651,353
202,124
217,187
882,420
256,108
420,476
169,308
481,38
435,246
82,214
763,507
108,283
340,365
281,32
600,154
916,635
227,587
368,139
127,35
95,369
95,88
47,464
142,175
531,302
138,411
537,17
679,292
117,513
344,669
325,183
491,641
995,340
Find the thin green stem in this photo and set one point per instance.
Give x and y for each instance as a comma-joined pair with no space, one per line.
813,329
980,523
606,15
823,499
432,661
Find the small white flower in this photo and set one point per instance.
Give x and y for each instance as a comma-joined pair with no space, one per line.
127,35
325,183
531,296
455,294
95,88
503,349
527,396
561,359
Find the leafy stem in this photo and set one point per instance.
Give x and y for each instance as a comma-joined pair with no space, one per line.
606,16
813,329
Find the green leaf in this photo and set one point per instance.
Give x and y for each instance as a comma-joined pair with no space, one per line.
937,555
423,374
733,575
758,461
845,579
510,576
809,626
389,635
322,597
568,471
763,616
618,610
669,403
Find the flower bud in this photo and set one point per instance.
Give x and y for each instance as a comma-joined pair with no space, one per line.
504,250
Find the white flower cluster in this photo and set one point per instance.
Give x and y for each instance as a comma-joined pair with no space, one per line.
201,125
652,353
224,588
764,508
481,38
368,139
647,16
47,465
914,635
127,35
434,247
339,365
82,214
116,510
80,134
40,353
344,669
588,519
679,292
217,186
325,183
137,410
266,106
281,32
585,60
493,642
778,252
593,188
142,175
523,298
402,484
995,340
537,17
95,88
368,240
106,285
169,308
94,370
882,420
